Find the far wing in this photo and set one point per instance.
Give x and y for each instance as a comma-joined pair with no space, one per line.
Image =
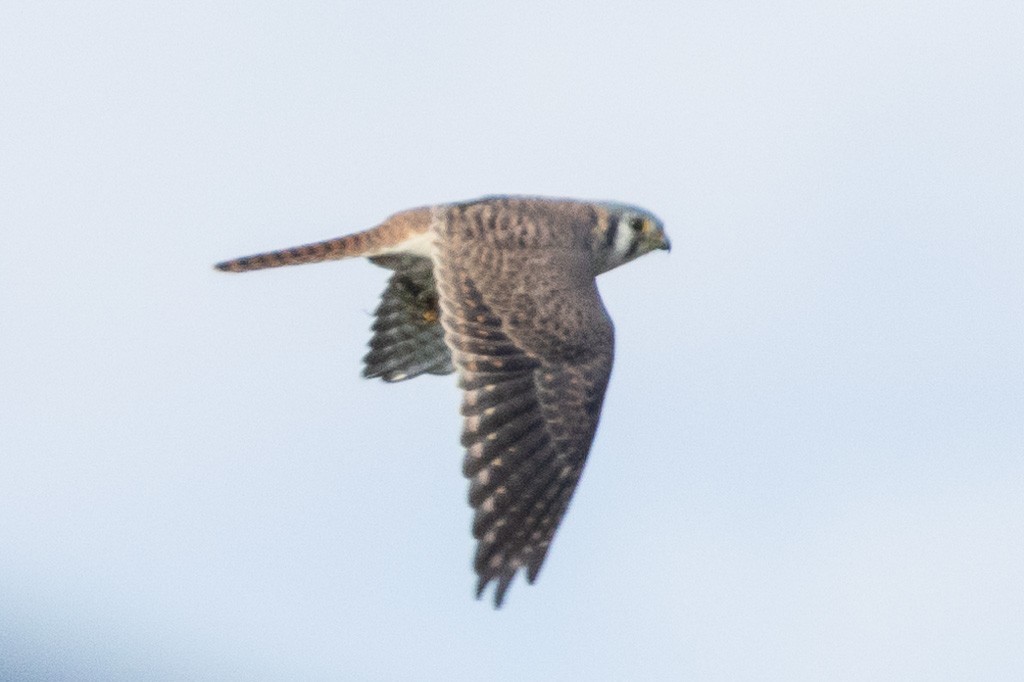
408,339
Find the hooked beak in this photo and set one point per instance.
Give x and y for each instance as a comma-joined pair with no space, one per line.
666,243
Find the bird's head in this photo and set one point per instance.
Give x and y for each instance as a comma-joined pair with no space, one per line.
628,232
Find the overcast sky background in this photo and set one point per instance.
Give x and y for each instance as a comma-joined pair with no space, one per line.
811,459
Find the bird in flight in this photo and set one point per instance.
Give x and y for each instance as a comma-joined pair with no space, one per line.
501,290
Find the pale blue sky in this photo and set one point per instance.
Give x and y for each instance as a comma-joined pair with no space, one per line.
811,459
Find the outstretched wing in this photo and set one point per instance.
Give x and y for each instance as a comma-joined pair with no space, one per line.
408,339
533,346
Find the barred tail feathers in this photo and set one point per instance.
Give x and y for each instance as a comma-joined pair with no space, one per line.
309,253
378,240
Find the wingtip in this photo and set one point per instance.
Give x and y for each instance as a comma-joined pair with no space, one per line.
499,589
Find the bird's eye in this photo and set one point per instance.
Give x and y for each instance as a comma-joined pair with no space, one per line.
636,224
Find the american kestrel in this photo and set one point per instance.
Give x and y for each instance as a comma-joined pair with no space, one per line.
501,289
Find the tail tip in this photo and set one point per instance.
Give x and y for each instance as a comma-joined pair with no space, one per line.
237,265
